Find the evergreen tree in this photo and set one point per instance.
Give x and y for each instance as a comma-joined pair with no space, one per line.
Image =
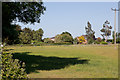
89,32
106,30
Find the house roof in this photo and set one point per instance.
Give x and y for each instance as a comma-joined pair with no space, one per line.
52,38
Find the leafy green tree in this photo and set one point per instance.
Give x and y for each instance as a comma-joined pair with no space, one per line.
90,41
66,33
16,36
58,39
63,38
24,12
66,38
90,33
106,30
26,36
37,35
13,32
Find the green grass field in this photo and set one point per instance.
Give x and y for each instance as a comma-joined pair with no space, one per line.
75,61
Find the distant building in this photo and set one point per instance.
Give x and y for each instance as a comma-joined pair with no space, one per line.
52,38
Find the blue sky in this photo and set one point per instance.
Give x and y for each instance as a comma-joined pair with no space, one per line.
73,17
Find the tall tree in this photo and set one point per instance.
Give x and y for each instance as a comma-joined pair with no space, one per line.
63,38
26,36
106,30
37,35
66,33
24,12
89,32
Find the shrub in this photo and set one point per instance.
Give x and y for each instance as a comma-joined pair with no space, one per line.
90,41
97,42
63,43
12,68
105,43
81,39
40,44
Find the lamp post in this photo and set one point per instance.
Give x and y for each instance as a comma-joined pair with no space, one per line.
115,24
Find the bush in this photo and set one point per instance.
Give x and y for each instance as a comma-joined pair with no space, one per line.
64,43
12,68
97,42
109,40
90,41
81,39
105,43
40,44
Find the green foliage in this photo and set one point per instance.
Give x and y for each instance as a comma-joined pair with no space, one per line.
90,33
28,36
66,33
12,68
25,36
105,43
90,41
37,35
67,38
63,43
40,44
63,38
58,39
25,12
11,34
48,40
97,42
19,11
106,30
33,41
109,40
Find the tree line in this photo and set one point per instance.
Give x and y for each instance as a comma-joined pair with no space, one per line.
30,13
28,36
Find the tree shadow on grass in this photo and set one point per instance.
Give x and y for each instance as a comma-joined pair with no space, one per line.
38,62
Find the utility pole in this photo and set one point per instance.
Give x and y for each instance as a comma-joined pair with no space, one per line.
115,24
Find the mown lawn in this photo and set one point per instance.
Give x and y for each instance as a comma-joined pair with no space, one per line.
76,61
